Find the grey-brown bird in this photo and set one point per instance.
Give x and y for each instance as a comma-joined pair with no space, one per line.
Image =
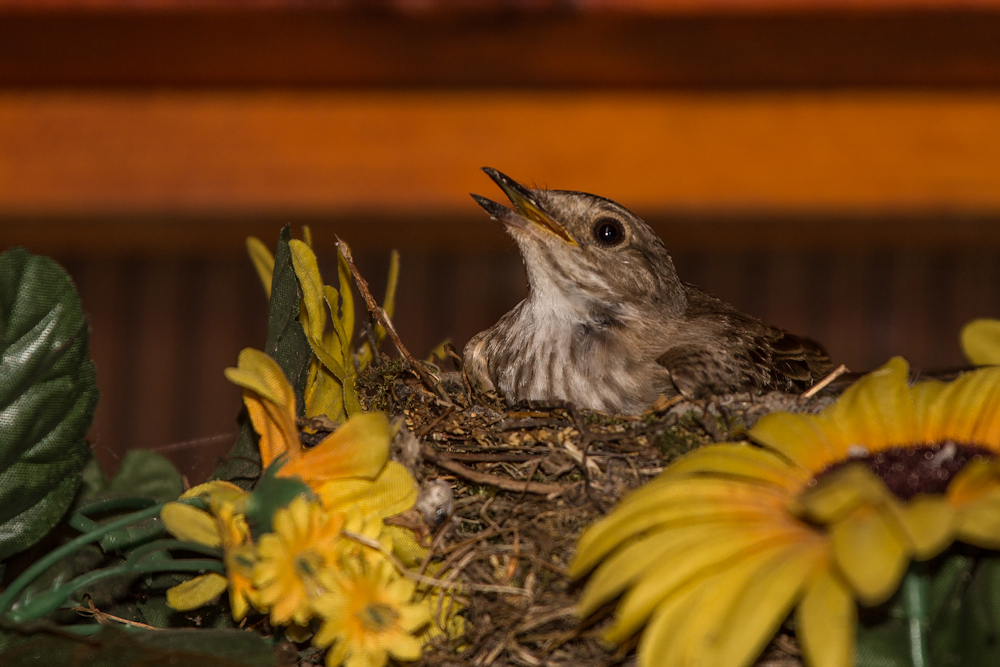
608,325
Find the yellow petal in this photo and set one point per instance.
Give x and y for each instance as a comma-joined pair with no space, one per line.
975,495
324,394
840,492
628,564
929,522
872,553
955,413
216,492
196,592
346,298
875,412
270,401
359,448
979,523
668,500
826,619
924,395
394,491
986,432
981,341
307,271
799,438
658,583
262,260
711,633
666,629
741,461
762,603
978,479
187,523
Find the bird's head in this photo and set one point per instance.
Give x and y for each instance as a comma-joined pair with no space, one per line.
585,248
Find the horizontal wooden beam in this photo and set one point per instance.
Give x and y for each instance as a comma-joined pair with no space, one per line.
419,153
217,237
689,44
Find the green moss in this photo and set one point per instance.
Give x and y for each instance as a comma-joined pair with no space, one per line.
598,419
374,384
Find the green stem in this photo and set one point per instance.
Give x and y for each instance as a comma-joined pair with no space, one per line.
11,593
164,545
82,522
51,600
915,605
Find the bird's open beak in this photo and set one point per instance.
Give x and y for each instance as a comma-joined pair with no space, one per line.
523,201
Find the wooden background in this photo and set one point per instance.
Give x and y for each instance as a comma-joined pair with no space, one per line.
833,168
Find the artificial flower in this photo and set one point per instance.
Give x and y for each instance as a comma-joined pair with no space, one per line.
350,466
330,386
223,527
981,341
296,562
822,511
368,616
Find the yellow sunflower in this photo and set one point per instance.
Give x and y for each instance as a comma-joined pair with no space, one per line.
296,562
369,616
821,511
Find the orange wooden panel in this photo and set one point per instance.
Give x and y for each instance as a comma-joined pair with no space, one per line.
419,152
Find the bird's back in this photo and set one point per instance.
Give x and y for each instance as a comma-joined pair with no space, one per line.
724,350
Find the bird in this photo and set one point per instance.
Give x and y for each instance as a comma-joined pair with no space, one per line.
609,326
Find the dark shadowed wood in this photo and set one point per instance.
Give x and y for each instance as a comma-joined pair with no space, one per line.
768,43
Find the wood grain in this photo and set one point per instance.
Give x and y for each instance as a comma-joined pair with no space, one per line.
415,153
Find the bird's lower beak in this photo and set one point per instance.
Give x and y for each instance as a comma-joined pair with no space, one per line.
525,204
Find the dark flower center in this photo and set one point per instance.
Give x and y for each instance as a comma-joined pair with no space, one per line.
908,471
377,616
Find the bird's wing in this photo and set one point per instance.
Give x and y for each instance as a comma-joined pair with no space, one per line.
740,353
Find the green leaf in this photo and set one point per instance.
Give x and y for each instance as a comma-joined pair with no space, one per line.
146,473
47,397
286,343
114,647
964,615
272,493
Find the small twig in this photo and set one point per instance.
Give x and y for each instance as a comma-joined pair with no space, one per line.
437,420
376,311
369,332
103,617
423,578
818,387
454,466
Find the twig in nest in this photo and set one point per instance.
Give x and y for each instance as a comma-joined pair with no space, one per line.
437,420
818,387
504,483
376,311
103,617
423,578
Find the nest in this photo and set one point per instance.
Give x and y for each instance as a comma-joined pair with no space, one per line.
521,486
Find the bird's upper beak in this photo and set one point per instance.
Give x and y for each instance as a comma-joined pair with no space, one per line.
525,204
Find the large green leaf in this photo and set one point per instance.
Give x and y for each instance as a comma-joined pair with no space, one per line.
47,397
963,615
287,344
113,647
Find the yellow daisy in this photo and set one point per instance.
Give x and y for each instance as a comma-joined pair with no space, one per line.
224,527
296,562
368,616
821,511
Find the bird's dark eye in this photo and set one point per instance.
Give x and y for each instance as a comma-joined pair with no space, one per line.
608,232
